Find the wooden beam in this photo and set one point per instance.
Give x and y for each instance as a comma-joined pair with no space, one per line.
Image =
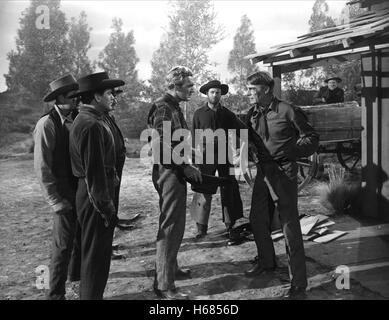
275,72
295,53
347,43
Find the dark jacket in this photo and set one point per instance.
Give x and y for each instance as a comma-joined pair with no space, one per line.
330,96
92,152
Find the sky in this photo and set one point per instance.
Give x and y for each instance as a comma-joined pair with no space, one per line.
274,22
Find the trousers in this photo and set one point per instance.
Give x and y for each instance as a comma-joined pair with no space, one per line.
284,182
232,207
96,247
172,191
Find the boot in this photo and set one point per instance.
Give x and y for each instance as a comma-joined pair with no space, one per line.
201,230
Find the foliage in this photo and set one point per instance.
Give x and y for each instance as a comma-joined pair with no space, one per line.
244,44
191,33
41,55
79,45
119,59
319,18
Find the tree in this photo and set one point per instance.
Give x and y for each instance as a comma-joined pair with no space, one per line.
41,54
79,35
244,44
191,33
320,19
119,59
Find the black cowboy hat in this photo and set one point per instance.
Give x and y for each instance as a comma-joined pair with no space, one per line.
209,184
214,84
96,81
60,86
337,79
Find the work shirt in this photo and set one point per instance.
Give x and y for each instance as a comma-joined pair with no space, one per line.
92,152
285,131
56,188
330,96
213,119
167,109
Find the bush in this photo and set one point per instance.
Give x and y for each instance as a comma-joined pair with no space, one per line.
340,196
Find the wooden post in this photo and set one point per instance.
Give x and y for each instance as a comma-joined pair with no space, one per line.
275,72
375,134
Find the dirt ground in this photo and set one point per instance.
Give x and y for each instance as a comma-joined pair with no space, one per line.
217,270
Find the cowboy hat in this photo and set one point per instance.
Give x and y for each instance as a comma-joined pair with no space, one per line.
96,81
337,79
214,84
209,183
60,86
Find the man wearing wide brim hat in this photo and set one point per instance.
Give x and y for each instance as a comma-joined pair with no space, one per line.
92,152
212,115
53,167
330,93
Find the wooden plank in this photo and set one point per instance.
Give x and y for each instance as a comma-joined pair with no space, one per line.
330,236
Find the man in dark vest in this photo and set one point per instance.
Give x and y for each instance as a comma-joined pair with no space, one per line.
287,135
93,158
212,115
53,168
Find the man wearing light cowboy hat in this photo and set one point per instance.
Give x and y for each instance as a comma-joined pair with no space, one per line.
212,115
53,169
92,152
330,93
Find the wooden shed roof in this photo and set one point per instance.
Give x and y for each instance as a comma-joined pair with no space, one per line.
366,32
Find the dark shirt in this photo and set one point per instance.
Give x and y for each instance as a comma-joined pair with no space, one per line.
207,118
92,152
289,135
167,109
330,96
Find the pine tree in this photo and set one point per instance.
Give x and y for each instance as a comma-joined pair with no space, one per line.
191,34
244,44
320,19
79,45
119,59
41,54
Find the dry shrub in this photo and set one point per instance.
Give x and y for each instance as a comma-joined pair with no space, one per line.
340,196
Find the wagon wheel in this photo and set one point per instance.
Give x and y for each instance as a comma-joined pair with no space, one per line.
349,154
306,171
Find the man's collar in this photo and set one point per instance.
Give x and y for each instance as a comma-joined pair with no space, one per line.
172,99
91,109
63,117
208,108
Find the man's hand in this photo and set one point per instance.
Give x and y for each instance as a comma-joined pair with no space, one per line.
62,207
109,215
193,173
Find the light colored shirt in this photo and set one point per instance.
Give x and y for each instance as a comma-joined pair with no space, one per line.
44,145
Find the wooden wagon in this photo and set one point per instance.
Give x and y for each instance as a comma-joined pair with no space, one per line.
339,127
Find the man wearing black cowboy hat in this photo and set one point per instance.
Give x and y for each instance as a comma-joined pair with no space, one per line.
92,151
53,168
212,115
330,93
